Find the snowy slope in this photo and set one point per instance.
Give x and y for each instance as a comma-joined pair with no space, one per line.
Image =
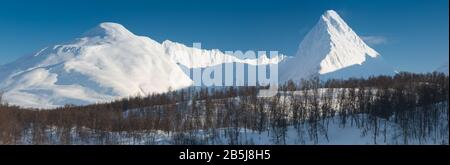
329,47
107,62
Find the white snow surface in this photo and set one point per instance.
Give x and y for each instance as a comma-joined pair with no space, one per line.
331,46
106,63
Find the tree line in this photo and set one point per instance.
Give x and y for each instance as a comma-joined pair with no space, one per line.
416,103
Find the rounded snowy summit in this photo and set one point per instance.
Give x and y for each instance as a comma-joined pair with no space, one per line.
109,29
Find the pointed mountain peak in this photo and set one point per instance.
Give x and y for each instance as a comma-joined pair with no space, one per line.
334,22
331,14
331,45
110,30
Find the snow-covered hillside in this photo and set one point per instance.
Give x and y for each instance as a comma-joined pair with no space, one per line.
332,46
106,63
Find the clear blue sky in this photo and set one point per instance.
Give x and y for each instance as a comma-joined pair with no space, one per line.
412,35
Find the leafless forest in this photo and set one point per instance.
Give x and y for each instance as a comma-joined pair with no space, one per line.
416,103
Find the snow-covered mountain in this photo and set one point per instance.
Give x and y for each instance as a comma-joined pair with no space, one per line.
109,62
106,63
333,50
